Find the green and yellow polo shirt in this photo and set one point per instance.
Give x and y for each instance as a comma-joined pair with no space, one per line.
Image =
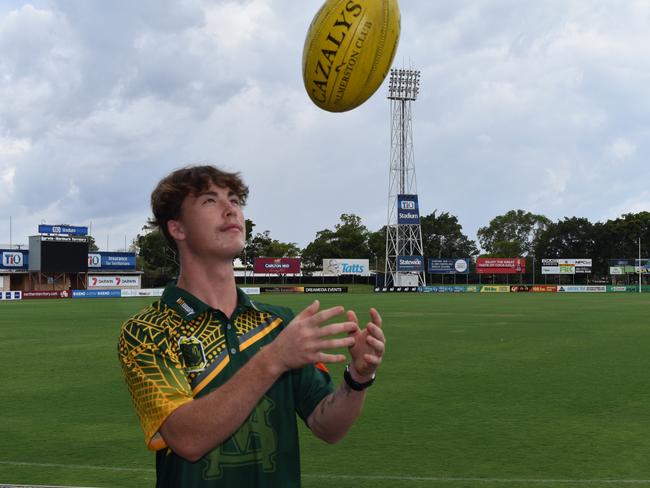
179,349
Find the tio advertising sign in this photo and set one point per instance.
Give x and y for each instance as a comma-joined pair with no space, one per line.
500,265
410,263
14,260
407,209
277,265
449,266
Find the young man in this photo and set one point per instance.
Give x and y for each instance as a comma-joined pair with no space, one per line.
217,379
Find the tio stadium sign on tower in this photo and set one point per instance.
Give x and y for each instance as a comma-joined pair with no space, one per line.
277,265
500,265
408,211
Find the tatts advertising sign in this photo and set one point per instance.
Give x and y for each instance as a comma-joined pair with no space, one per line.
500,265
277,265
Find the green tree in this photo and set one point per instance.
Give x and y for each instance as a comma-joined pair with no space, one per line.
442,236
619,238
92,245
155,257
263,245
349,239
512,234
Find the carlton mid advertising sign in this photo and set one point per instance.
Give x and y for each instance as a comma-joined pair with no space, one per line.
277,265
338,267
407,209
500,265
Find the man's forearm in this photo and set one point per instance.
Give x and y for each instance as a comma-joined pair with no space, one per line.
197,427
336,413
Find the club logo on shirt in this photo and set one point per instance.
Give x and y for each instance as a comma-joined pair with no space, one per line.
192,353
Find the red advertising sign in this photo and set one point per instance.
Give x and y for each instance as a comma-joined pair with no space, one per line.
500,265
544,289
277,265
45,294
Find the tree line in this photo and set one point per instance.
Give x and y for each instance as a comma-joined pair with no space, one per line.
516,233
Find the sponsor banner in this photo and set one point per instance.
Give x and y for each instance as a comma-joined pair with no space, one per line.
28,295
96,293
500,265
63,229
410,263
325,289
111,260
448,266
107,281
550,262
618,289
408,211
581,289
520,288
11,295
566,266
14,259
277,265
281,289
443,289
397,289
251,291
617,270
473,288
550,270
544,289
142,292
342,266
621,262
495,289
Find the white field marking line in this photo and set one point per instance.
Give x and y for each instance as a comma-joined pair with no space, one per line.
76,466
39,486
477,480
346,477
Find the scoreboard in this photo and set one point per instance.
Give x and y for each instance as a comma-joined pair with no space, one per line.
58,254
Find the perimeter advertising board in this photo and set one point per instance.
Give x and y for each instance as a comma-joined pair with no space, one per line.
277,265
11,295
410,263
500,265
342,266
449,266
408,211
113,281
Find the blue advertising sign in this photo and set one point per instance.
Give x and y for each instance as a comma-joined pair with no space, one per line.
410,263
111,260
408,211
449,266
63,229
14,259
96,293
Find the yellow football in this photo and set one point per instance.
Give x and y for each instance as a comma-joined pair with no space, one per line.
348,51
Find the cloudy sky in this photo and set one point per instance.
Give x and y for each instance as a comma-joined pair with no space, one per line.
541,105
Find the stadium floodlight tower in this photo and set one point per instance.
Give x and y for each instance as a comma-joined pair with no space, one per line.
404,256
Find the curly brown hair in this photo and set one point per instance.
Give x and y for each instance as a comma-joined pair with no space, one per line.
168,196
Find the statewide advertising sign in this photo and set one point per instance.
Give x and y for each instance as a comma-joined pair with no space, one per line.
105,281
337,267
14,260
408,211
63,229
449,266
410,263
500,265
277,265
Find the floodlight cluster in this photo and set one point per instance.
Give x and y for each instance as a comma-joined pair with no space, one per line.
404,84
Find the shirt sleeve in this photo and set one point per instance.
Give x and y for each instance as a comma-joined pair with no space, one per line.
155,378
311,384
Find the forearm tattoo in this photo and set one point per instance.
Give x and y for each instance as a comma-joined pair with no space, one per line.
331,399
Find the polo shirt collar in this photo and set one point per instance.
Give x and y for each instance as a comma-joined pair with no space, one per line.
190,307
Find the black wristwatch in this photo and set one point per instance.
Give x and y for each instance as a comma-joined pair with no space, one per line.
355,385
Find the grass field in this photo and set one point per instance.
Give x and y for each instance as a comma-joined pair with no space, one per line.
475,391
